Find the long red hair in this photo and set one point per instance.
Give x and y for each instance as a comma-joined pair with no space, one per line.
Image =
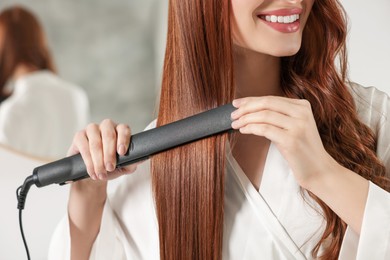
23,42
188,182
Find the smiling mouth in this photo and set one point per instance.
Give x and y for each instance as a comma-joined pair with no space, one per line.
283,21
280,19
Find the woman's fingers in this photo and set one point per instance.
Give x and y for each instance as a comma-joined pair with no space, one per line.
290,124
264,117
99,145
81,145
287,106
109,140
123,141
282,120
96,150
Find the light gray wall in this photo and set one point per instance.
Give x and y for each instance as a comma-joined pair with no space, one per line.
369,42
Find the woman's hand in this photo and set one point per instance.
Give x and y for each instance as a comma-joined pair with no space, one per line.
289,123
98,145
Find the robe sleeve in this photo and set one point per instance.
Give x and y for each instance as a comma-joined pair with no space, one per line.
108,244
374,239
373,108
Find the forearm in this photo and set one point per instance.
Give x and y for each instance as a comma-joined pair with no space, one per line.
86,203
344,191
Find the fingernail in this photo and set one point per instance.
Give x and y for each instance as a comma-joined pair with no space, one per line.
236,103
101,176
122,149
235,124
234,115
110,167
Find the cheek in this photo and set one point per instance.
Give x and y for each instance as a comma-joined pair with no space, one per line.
242,18
309,4
308,9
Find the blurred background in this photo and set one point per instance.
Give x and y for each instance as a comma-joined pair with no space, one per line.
368,44
114,50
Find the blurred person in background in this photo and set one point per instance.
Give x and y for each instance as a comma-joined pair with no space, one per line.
39,112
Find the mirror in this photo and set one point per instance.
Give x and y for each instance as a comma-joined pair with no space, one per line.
112,49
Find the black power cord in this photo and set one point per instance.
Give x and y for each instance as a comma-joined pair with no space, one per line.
21,231
21,194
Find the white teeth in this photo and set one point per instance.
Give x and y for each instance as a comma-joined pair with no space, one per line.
281,19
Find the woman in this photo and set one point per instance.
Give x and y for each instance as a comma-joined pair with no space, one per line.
306,176
42,112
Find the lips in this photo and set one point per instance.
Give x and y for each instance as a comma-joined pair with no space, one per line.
283,20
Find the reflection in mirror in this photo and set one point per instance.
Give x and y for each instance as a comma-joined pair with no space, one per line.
39,112
112,50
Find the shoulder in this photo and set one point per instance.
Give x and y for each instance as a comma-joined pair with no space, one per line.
64,84
373,108
48,87
372,104
12,109
48,81
367,95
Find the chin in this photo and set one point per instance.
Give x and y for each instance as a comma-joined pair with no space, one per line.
284,50
285,53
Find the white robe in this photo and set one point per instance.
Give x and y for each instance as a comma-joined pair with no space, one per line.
272,223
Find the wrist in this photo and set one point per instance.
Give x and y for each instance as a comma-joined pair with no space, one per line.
87,189
326,175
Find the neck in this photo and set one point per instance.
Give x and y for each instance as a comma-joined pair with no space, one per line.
256,74
22,70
